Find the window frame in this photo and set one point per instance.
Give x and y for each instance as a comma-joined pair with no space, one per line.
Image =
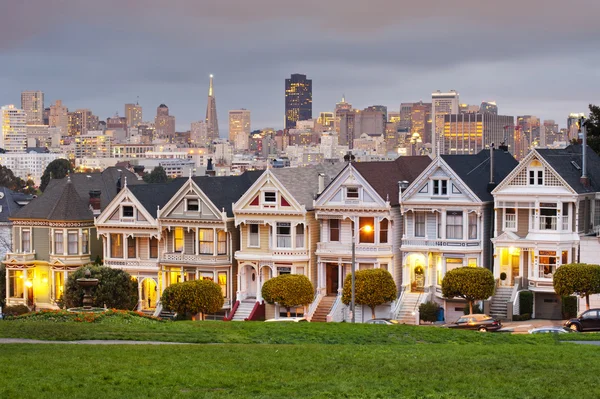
72,233
253,234
85,241
131,247
285,237
337,229
220,242
451,215
58,233
176,239
123,207
300,227
439,187
207,241
150,247
363,236
470,216
504,221
355,193
417,217
23,241
384,232
119,247
189,201
269,193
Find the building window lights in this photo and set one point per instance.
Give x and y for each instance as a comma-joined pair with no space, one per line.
222,242
116,246
178,239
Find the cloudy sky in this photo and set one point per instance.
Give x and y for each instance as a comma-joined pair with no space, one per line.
537,57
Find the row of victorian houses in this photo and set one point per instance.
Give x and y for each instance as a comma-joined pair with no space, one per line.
428,216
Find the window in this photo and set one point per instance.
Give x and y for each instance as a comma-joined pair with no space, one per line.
472,226
85,240
299,236
419,224
26,241
72,243
536,177
116,246
222,242
127,211
548,216
16,279
383,231
510,219
270,197
58,243
253,240
352,192
284,235
334,230
59,284
178,239
153,248
440,187
131,248
366,234
222,280
454,225
193,205
206,239
547,264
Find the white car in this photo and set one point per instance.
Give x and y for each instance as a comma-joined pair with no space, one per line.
289,319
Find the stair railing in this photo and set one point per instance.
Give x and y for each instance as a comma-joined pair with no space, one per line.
313,306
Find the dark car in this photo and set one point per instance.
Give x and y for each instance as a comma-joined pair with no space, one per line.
479,322
389,322
587,321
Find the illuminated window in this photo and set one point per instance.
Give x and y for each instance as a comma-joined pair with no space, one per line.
178,239
222,281
206,241
222,242
366,234
131,247
16,282
116,246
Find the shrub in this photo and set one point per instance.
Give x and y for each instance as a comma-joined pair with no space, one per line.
373,287
428,311
192,297
15,310
525,303
288,290
470,283
569,307
579,279
476,309
110,315
116,288
525,316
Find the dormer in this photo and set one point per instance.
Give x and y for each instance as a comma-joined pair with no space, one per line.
535,173
127,212
439,186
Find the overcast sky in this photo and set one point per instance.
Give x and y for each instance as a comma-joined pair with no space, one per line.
531,56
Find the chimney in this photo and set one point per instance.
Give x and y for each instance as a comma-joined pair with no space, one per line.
585,180
321,183
210,171
491,184
402,185
95,201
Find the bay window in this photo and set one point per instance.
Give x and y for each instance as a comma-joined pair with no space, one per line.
253,235
116,246
383,231
472,226
419,224
85,240
178,239
153,248
206,241
72,242
454,225
366,234
26,241
300,236
58,243
131,247
284,235
334,230
222,242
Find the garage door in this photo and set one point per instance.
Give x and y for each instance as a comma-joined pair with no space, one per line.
547,306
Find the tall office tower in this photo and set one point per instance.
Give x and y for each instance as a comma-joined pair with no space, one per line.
32,102
530,129
325,122
13,129
212,123
347,122
59,116
371,120
573,125
551,133
199,134
133,114
393,116
468,108
441,104
405,119
420,121
298,100
81,121
239,128
469,133
489,106
116,122
46,116
164,123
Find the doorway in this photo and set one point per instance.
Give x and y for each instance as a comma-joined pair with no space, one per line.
250,282
333,283
149,291
418,284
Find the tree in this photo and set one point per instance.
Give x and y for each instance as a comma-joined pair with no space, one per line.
288,290
192,297
593,122
57,169
579,279
158,175
116,288
373,287
8,179
469,283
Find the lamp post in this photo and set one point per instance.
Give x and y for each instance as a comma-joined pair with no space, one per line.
367,228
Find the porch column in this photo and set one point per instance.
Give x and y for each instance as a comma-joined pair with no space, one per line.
197,241
559,216
24,286
7,285
215,239
340,279
259,278
140,300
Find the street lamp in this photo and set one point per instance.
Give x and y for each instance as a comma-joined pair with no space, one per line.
368,229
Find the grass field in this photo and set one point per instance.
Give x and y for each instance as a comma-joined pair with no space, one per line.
269,360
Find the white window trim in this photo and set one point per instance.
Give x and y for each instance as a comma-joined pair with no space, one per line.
536,169
29,229
193,199
249,233
433,194
183,247
263,200
122,211
504,228
358,192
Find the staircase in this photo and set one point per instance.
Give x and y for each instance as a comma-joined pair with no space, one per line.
323,309
498,303
410,304
244,309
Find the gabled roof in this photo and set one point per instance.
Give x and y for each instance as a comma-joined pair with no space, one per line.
303,183
562,159
155,195
384,176
11,202
474,170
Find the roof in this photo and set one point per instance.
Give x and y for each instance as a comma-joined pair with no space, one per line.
11,202
384,176
303,183
474,170
562,161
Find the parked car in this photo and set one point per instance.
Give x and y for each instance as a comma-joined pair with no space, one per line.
388,322
288,319
550,330
587,321
479,322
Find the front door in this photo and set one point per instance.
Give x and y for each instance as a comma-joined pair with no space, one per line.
332,279
251,282
418,284
149,290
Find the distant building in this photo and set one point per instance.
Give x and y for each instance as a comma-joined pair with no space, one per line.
239,128
133,114
95,144
199,134
32,102
489,106
164,123
81,121
116,122
573,122
441,104
421,121
469,133
212,122
59,116
371,121
13,129
29,165
405,116
298,100
550,133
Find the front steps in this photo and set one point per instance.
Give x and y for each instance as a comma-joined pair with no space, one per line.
408,307
498,308
323,309
244,309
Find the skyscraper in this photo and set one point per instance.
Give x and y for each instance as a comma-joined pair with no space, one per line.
59,116
469,133
441,104
239,128
81,121
199,134
32,102
212,123
133,113
421,120
13,129
164,123
298,100
489,106
551,133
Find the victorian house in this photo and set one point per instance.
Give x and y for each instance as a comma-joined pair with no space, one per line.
184,230
448,214
361,208
278,232
541,210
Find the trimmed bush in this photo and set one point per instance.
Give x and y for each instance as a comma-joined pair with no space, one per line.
193,297
577,279
525,316
469,283
476,309
525,303
373,287
15,310
116,288
428,311
568,307
288,290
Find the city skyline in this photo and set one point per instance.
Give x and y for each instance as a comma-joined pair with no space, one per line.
543,70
